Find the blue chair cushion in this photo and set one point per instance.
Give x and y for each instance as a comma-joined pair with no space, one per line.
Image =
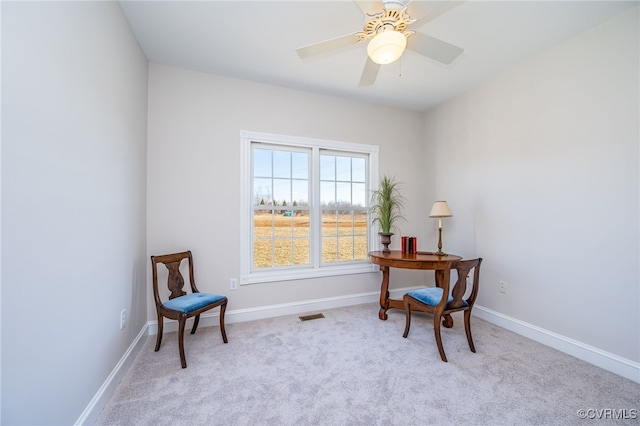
431,296
191,302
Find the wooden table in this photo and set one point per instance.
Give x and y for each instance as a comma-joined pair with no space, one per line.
397,259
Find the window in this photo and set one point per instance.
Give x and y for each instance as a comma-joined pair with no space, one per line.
280,206
343,207
304,207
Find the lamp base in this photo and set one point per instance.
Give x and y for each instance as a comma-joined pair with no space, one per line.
440,252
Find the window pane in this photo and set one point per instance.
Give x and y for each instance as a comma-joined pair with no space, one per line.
327,167
327,194
359,195
261,163
300,192
329,224
302,252
345,223
262,254
343,168
329,249
262,195
262,224
360,247
300,165
282,252
358,169
301,224
343,194
282,192
281,164
345,248
283,224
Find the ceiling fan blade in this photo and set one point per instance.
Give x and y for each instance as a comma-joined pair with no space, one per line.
327,45
433,48
369,7
427,11
369,73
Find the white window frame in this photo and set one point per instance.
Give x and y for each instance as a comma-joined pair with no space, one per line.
250,276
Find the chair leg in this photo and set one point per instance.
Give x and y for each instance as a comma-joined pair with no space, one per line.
181,324
407,323
159,335
436,330
467,329
195,324
223,308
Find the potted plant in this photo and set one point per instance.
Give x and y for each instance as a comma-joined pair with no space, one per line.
386,207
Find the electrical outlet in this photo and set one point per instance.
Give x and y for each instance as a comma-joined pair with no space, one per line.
502,287
233,284
123,318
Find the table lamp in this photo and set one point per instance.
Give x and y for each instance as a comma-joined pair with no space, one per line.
440,209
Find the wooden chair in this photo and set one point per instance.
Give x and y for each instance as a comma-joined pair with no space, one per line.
440,303
182,305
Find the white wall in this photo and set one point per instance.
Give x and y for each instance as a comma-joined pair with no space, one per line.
73,204
540,167
561,129
194,171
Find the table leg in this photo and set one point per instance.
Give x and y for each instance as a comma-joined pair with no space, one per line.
384,293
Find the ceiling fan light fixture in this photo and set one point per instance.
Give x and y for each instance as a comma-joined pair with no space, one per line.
386,47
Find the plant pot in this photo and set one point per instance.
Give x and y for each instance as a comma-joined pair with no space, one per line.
385,240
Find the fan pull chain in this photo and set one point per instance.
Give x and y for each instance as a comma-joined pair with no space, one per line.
400,67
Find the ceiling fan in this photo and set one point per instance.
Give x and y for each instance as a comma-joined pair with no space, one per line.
388,36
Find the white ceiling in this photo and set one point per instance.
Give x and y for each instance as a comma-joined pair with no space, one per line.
256,40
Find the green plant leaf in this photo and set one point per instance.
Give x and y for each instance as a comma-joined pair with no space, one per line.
387,203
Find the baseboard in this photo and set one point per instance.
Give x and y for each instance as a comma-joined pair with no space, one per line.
262,312
100,399
621,366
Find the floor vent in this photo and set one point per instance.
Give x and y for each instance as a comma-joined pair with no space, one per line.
311,317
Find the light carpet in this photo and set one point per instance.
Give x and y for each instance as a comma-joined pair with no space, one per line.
350,368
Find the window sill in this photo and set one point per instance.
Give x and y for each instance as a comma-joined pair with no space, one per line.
301,274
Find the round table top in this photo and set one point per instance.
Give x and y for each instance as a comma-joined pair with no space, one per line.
419,260
421,255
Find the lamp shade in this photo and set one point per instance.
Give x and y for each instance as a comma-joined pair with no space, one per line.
386,47
440,209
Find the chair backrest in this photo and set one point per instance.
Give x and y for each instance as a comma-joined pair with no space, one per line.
175,280
464,268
